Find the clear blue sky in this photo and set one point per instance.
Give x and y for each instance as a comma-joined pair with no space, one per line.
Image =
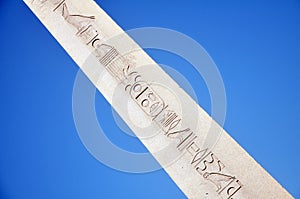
255,44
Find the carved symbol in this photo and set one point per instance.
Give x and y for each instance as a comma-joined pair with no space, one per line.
218,179
80,22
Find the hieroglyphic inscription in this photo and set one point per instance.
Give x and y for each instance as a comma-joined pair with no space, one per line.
204,161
